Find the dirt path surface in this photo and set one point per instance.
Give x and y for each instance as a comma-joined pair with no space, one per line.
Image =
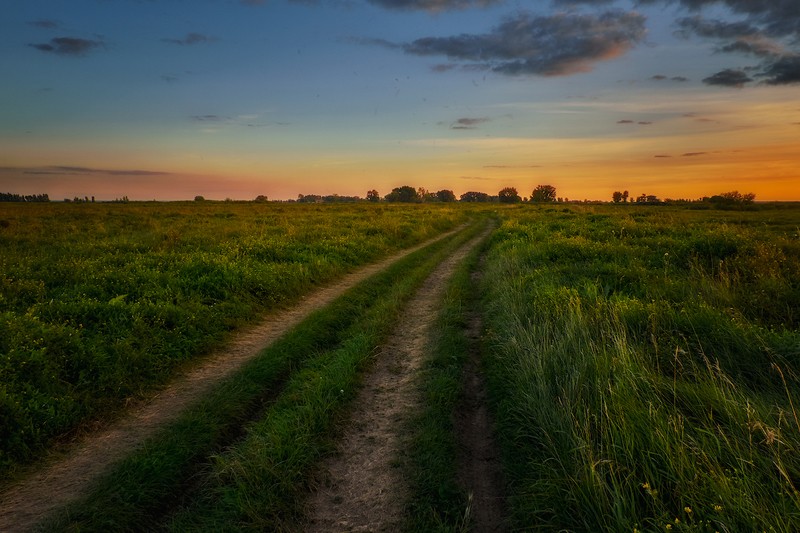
30,500
362,489
479,466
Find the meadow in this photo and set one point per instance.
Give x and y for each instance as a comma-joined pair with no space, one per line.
642,362
644,367
100,303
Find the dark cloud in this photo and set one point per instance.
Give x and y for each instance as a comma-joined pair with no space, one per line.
191,38
728,78
525,44
644,123
68,46
209,118
468,123
45,23
783,71
662,77
693,154
432,5
662,156
626,121
72,171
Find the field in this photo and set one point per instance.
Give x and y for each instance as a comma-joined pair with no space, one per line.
99,303
642,362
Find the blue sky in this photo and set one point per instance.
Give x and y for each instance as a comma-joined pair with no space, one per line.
167,99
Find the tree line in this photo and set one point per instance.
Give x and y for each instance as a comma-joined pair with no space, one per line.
10,197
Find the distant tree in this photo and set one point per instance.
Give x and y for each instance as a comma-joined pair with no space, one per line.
733,197
473,196
647,199
406,193
373,196
508,196
445,196
199,198
616,197
625,196
544,193
261,198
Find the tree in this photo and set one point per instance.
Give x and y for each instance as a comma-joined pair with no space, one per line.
733,198
616,197
473,196
261,198
199,198
544,193
406,193
625,196
445,196
373,196
508,196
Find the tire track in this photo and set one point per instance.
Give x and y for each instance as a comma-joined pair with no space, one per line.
362,488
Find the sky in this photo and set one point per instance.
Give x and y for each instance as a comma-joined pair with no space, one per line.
169,99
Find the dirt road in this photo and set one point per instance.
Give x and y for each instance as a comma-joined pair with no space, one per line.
29,501
361,489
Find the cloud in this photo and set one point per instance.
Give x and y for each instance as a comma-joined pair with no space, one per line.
68,46
625,121
468,123
431,5
525,44
72,171
664,156
783,71
191,38
45,23
728,78
209,118
693,154
662,77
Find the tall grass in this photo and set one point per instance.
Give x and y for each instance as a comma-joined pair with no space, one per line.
100,302
637,389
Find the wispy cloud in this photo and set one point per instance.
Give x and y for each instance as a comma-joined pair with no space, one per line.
468,123
68,46
526,44
77,171
47,24
191,38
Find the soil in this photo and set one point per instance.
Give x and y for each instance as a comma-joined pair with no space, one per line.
361,487
65,479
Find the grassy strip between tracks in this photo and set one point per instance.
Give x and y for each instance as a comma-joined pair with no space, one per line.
438,503
229,476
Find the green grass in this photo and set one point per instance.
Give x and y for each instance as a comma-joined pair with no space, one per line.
100,302
223,476
644,368
438,503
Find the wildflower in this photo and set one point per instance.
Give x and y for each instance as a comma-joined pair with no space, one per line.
687,510
718,508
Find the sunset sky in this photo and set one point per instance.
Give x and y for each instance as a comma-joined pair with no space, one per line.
168,99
